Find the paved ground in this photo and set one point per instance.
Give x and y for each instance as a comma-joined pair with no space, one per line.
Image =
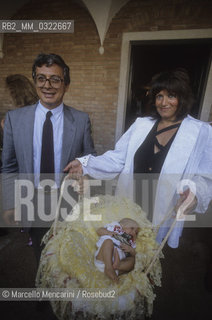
18,270
183,294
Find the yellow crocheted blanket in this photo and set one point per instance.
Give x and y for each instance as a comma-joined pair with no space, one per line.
67,261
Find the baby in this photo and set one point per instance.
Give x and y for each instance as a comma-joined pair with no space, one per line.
116,247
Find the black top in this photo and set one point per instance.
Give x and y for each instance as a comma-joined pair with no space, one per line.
145,160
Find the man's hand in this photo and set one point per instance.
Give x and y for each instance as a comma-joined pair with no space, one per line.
74,168
9,217
186,203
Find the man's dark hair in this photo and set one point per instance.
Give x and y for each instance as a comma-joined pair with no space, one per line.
177,83
48,60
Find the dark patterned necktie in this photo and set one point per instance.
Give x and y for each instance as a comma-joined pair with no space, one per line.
47,150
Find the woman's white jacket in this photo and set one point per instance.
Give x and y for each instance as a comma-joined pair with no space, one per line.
188,163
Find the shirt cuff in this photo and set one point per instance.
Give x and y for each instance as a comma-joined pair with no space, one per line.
84,160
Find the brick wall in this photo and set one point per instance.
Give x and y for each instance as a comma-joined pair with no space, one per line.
95,78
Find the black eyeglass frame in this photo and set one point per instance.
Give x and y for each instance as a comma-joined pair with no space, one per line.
49,79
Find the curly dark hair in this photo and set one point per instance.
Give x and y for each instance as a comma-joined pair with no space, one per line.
177,83
48,60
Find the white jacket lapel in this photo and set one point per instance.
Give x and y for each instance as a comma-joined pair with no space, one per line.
181,147
141,128
174,167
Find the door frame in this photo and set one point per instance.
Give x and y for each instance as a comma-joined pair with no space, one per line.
127,38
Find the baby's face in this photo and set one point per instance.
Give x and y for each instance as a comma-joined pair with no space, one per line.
131,230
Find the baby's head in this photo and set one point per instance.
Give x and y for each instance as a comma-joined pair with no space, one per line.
130,226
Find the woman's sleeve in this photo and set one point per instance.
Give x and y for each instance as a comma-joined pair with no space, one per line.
109,164
203,178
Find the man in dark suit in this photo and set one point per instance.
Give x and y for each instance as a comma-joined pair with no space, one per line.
24,130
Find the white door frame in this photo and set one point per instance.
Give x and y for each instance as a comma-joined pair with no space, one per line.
125,66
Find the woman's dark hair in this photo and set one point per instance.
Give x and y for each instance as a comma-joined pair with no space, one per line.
48,60
22,90
177,83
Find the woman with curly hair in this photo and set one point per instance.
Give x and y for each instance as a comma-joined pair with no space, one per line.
168,143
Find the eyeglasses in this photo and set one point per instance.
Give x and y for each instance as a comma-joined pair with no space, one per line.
54,81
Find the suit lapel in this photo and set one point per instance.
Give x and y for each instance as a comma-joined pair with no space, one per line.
69,130
28,138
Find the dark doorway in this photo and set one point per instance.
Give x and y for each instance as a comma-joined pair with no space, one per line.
151,57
